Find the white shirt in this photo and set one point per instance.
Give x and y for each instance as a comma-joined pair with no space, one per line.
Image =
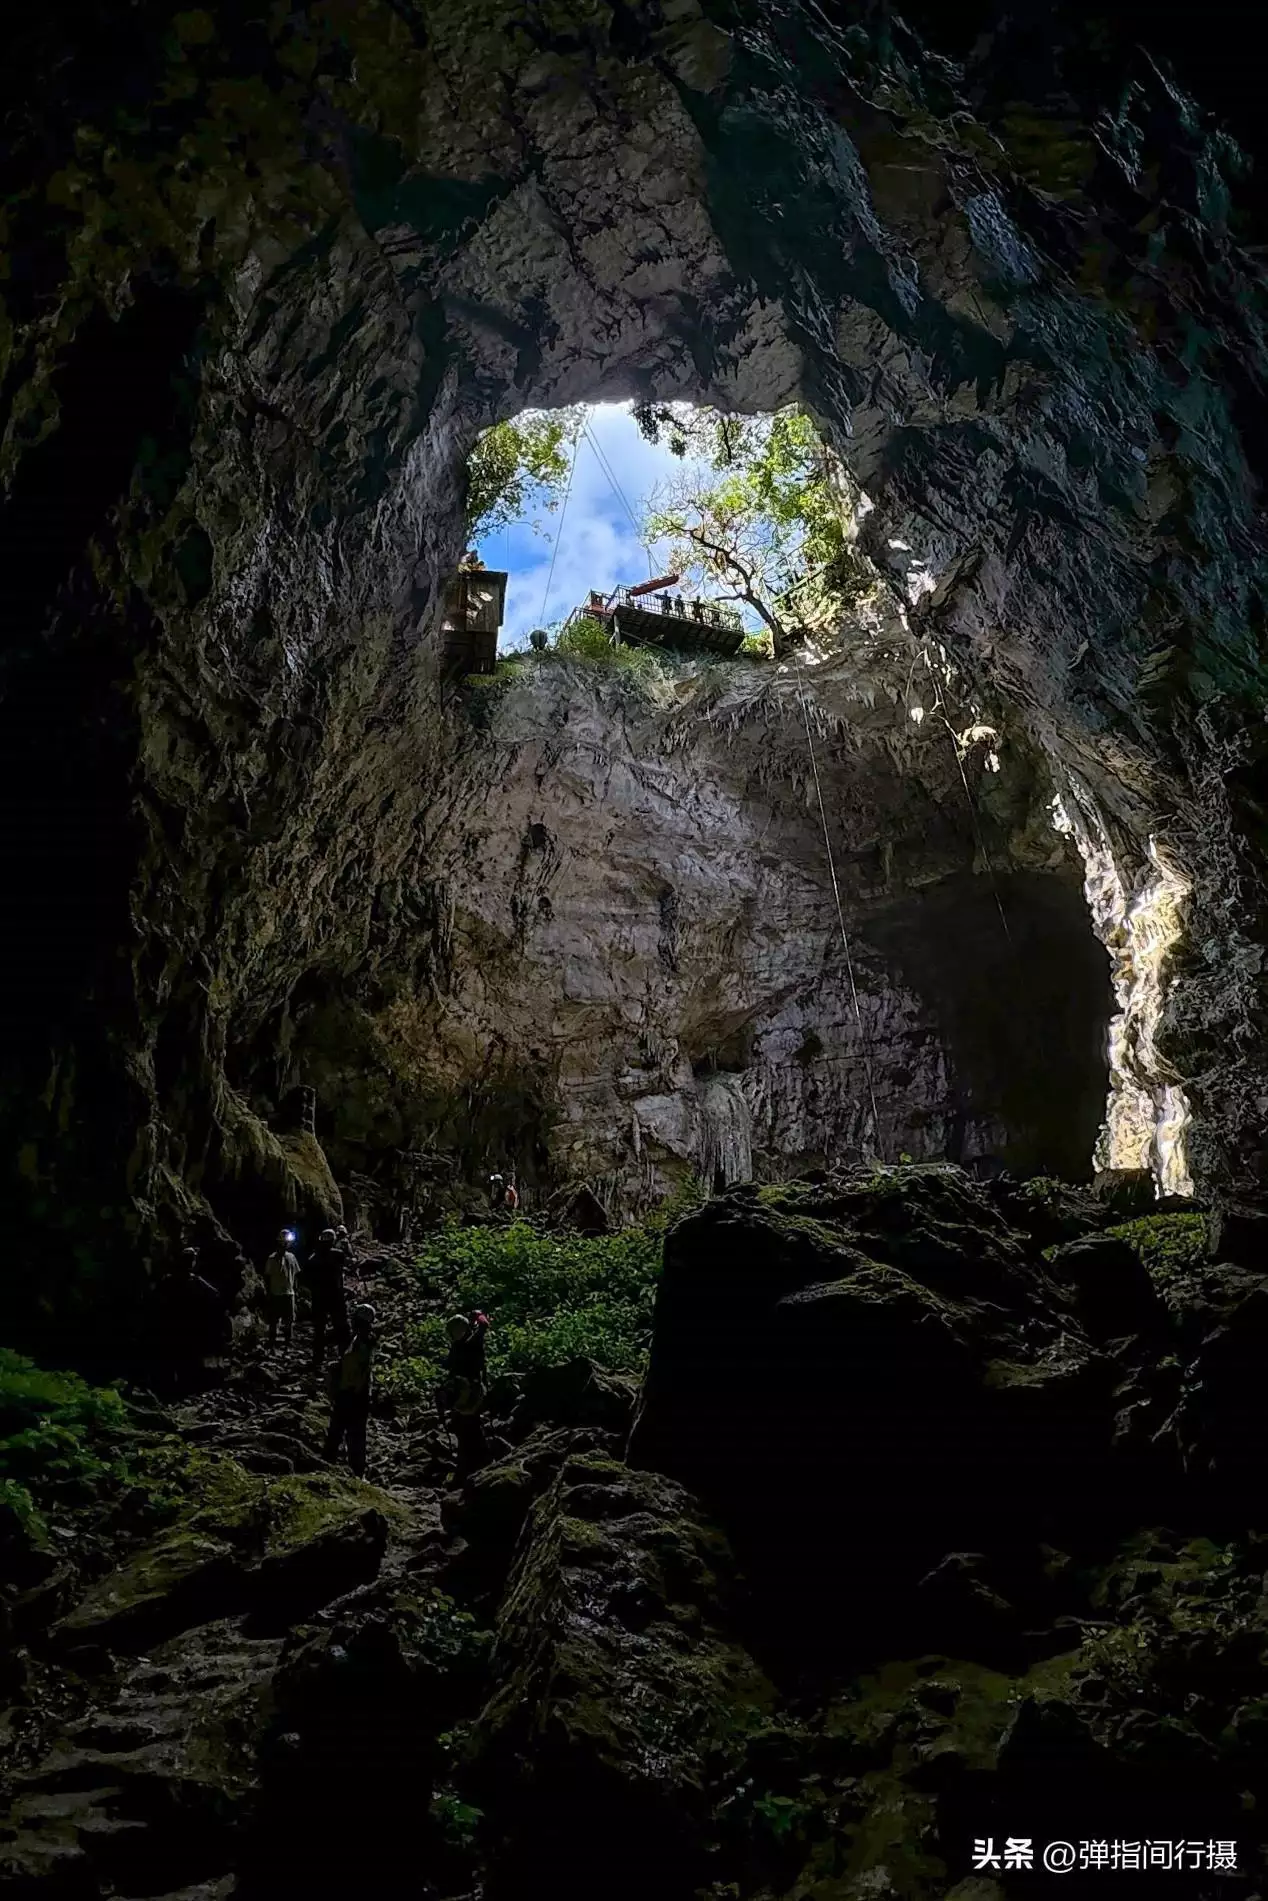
281,1271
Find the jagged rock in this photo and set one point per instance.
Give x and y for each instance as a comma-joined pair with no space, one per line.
278,1549
490,1511
961,1613
617,1688
143,1796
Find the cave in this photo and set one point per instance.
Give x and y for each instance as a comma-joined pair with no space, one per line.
257,753
980,885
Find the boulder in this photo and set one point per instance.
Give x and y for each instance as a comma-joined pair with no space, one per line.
1126,1191
360,1702
850,1423
578,1393
299,1578
619,1699
1238,1232
182,1579
1112,1290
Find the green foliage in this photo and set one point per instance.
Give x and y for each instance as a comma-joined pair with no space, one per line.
552,1297
517,462
765,511
782,1814
59,1437
1169,1245
1042,1189
757,646
586,639
458,1821
484,691
450,1637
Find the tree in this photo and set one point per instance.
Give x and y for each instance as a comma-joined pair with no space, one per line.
513,462
763,511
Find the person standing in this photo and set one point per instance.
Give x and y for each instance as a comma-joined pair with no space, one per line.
330,1299
350,1380
192,1323
462,1395
281,1275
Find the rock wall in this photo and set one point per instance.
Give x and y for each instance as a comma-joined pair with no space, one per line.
640,917
264,281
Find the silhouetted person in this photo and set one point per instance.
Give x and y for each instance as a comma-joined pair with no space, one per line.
463,1390
192,1323
330,1301
350,1379
281,1275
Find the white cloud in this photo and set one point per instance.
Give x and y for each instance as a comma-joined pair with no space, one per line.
598,546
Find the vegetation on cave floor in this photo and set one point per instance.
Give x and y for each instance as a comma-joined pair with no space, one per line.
75,1455
61,1441
552,1296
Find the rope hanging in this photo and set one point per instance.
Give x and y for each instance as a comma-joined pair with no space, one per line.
563,513
977,829
601,458
836,893
974,815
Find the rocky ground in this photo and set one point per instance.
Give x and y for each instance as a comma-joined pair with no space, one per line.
939,1520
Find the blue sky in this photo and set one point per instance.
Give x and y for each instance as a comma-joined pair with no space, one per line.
598,546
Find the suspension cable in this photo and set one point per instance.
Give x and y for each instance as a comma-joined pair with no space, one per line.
865,1041
975,818
572,469
974,814
601,458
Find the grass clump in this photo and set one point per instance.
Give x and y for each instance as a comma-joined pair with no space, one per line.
59,1439
552,1297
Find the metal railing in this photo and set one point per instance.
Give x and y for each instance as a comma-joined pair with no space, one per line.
694,612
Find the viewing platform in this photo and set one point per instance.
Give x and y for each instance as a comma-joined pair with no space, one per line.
645,617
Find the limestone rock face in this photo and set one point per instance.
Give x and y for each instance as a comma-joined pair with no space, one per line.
642,920
264,282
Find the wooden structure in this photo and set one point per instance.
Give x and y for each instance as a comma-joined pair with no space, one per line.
643,617
475,603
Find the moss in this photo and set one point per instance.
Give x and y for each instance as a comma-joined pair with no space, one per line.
1169,1245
